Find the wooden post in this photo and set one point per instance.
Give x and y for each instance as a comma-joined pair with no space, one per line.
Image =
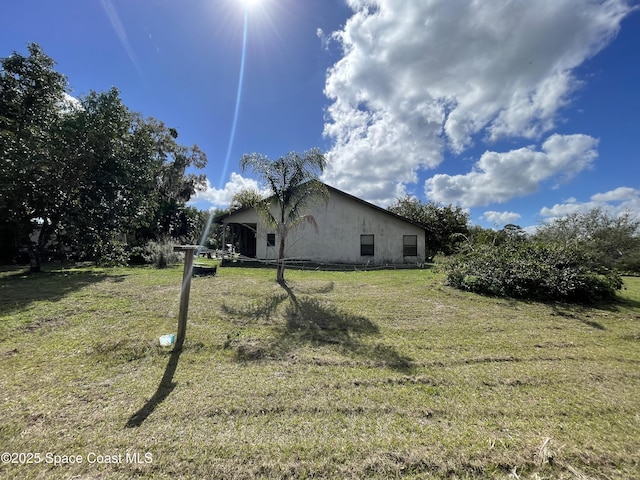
188,250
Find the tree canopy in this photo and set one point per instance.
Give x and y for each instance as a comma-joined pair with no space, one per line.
85,173
245,199
611,241
31,99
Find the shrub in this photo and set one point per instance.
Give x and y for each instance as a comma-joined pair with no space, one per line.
110,253
161,254
532,271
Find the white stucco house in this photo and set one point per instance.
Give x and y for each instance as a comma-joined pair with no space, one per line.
350,230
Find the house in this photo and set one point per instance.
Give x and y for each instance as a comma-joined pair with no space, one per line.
350,230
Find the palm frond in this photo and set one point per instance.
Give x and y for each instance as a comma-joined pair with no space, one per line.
304,219
303,195
264,212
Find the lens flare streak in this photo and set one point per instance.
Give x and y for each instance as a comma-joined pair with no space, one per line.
232,136
238,98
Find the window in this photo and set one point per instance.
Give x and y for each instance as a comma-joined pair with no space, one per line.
366,245
271,239
410,245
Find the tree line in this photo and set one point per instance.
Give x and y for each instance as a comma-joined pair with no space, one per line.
86,178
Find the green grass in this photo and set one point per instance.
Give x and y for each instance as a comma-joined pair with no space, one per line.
381,374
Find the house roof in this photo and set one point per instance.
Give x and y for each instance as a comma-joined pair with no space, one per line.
331,189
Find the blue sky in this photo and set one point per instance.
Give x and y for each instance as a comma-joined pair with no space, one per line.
517,111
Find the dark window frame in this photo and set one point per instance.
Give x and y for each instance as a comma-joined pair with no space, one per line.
271,239
367,249
410,249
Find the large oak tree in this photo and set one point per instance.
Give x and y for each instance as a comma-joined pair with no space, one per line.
87,172
32,96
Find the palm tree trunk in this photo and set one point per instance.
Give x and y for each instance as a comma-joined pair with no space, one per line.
280,274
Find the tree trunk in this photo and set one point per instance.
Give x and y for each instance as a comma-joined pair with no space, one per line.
35,250
280,274
34,259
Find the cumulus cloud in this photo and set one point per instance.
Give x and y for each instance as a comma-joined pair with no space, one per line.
498,177
221,197
500,218
567,207
421,78
620,194
617,202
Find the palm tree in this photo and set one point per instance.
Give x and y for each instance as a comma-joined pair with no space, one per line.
293,181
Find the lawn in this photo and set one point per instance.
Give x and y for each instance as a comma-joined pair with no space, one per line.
379,374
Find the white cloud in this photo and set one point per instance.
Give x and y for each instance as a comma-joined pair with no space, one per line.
569,207
499,177
419,77
500,218
620,194
221,197
616,202
324,38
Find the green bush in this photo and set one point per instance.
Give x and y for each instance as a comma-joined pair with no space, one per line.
532,271
110,253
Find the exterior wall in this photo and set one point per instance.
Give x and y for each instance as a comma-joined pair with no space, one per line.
341,221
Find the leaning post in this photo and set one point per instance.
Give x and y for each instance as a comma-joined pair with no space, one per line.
189,251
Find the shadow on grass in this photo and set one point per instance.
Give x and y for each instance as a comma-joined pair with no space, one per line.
165,387
20,288
582,313
308,320
262,310
312,320
577,313
311,290
626,303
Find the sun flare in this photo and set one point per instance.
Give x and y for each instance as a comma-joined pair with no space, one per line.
250,3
